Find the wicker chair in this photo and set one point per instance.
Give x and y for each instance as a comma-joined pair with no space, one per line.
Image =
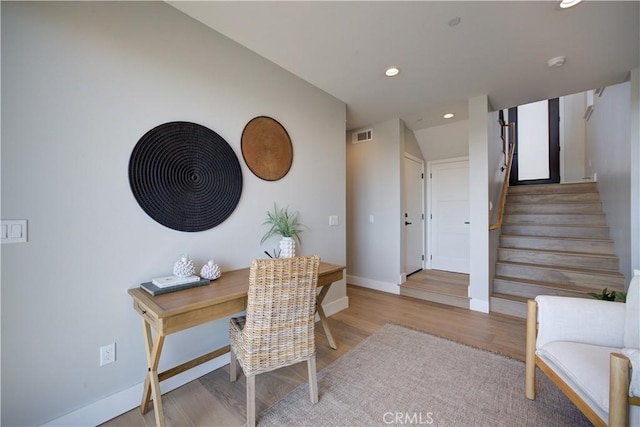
278,329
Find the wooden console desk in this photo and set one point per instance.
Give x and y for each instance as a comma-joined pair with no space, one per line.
176,311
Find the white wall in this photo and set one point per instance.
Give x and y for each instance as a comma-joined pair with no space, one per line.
635,168
373,191
410,147
410,142
81,83
479,273
445,141
608,153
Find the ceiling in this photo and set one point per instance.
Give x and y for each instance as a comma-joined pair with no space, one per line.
499,48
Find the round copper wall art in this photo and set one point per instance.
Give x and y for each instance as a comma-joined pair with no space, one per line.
185,176
266,148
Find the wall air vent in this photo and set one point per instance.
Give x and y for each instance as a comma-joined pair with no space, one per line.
362,136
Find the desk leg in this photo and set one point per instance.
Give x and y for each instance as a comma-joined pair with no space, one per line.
323,317
151,382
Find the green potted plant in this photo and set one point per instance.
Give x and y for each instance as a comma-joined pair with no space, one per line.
286,225
607,295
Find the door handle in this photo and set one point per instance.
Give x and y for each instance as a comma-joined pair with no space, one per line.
467,222
407,223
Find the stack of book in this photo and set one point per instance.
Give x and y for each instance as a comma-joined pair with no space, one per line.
163,285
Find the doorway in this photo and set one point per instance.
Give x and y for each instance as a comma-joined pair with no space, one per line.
449,215
536,157
413,218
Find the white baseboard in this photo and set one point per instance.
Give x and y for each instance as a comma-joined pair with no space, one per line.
377,285
125,400
479,305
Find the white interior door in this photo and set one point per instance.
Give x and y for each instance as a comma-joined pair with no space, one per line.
413,215
449,216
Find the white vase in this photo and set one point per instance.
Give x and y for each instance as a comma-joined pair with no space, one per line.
287,247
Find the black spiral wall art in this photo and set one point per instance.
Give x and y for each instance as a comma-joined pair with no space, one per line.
185,176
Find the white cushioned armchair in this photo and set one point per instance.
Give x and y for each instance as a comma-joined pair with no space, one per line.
587,347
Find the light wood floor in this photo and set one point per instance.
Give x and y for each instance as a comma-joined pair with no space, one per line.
195,405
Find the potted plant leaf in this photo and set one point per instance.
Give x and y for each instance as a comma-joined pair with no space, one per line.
285,224
607,295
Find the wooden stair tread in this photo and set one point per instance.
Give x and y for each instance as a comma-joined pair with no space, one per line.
552,252
529,224
549,285
554,267
449,275
583,239
438,287
582,187
558,214
556,202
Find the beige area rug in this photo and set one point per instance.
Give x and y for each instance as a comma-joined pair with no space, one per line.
399,376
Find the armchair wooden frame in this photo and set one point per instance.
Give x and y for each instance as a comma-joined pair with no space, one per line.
619,373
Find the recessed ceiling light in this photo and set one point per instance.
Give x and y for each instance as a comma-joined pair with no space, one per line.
455,21
565,4
392,71
447,116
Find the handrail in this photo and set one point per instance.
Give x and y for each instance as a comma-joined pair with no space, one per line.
505,183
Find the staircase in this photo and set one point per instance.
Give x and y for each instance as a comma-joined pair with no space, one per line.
554,241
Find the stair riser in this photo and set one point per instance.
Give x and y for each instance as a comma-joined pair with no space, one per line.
558,259
554,244
455,301
527,290
553,208
510,308
553,198
588,187
556,231
559,219
560,277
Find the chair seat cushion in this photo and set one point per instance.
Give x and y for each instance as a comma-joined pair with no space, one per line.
586,366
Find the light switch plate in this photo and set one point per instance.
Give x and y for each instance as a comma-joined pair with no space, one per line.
13,231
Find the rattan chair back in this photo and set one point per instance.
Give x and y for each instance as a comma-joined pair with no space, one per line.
279,325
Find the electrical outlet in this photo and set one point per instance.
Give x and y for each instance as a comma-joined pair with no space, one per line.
107,354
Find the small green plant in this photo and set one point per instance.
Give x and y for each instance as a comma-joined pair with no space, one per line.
607,295
282,223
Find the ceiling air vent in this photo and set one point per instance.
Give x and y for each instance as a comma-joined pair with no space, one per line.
362,136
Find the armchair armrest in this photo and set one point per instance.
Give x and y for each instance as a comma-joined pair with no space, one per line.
580,320
633,354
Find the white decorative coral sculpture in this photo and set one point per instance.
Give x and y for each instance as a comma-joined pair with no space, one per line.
210,270
184,267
